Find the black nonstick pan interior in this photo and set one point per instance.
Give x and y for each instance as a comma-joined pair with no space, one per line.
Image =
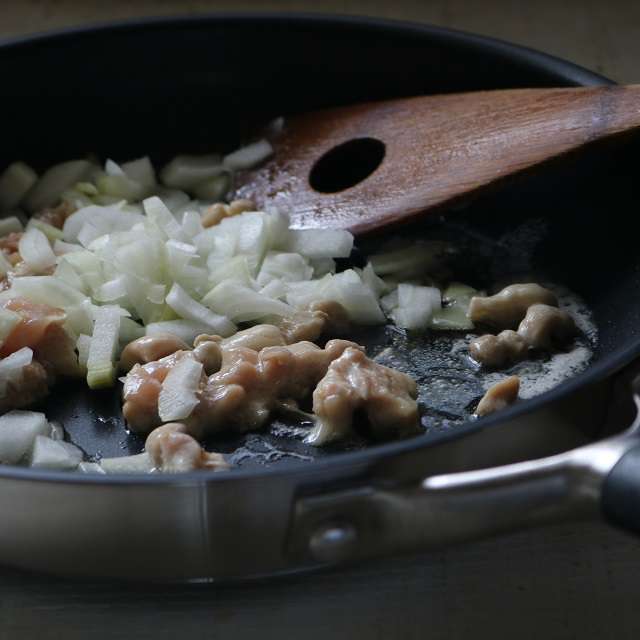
545,227
573,223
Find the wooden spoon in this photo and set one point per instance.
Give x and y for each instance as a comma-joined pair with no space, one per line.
366,166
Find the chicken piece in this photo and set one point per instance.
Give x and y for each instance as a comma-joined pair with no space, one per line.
56,216
9,244
149,348
499,396
216,213
172,450
506,309
209,353
498,351
251,385
256,338
354,382
32,386
545,327
142,389
311,321
42,330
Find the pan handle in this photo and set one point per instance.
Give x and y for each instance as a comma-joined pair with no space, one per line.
600,479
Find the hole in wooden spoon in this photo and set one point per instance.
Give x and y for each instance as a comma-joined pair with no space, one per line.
346,165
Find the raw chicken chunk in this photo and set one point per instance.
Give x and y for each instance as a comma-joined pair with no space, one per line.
499,396
506,309
149,348
545,327
172,450
498,351
354,382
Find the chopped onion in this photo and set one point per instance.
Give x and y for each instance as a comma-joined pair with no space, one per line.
5,265
288,267
18,432
60,247
36,251
11,367
8,322
189,309
186,172
416,305
10,225
359,300
47,190
213,189
454,316
158,213
242,304
249,156
15,183
52,233
186,330
104,341
321,243
140,463
103,219
54,454
141,171
413,260
178,395
46,290
112,168
82,345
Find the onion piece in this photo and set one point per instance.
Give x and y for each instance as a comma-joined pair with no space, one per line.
52,233
178,395
416,306
185,172
186,330
288,267
36,251
141,171
104,341
140,463
248,156
5,265
54,454
320,243
82,345
189,309
18,431
46,290
213,189
158,213
9,225
15,183
57,179
8,322
242,304
60,247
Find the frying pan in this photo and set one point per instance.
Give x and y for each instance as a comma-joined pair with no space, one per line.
164,86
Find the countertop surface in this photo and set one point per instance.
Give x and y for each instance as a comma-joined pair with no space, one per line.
569,581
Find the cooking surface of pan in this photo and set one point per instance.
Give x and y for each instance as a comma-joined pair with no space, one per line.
573,223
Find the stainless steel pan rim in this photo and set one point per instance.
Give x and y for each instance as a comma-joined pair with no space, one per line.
595,373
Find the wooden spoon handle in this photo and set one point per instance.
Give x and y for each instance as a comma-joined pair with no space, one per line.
436,149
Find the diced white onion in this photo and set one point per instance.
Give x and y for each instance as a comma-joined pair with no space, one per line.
186,330
9,225
141,171
18,431
178,395
15,183
186,172
8,322
47,190
248,156
158,213
104,341
242,304
54,454
46,290
36,251
83,343
189,309
320,243
416,305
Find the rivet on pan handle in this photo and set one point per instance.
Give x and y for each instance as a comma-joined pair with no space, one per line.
600,479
